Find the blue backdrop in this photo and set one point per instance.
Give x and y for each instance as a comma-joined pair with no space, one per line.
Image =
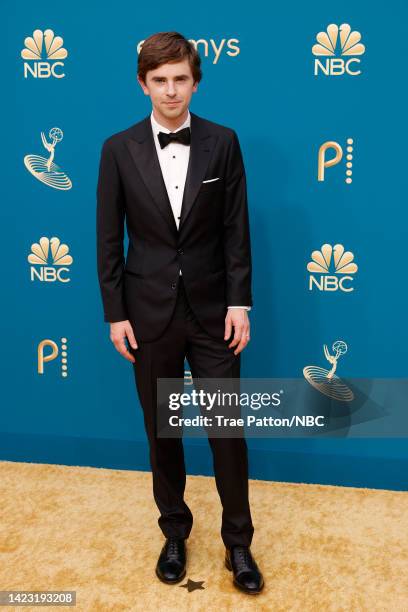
262,81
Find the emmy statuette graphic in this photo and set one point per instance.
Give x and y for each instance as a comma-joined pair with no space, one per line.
326,381
44,169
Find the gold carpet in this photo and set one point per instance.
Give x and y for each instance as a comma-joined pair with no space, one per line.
321,548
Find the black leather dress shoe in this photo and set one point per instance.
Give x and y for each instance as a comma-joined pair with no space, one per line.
247,576
171,566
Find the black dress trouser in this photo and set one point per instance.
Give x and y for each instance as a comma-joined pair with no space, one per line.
208,358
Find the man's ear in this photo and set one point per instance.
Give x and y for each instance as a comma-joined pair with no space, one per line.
142,85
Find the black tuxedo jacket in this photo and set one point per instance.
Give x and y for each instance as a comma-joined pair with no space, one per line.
211,246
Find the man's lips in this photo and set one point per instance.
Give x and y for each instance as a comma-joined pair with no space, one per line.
172,103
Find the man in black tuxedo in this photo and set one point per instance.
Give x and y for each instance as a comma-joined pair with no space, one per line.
185,288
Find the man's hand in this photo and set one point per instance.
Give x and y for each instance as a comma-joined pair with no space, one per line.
119,331
238,319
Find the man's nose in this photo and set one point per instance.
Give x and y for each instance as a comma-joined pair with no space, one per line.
171,90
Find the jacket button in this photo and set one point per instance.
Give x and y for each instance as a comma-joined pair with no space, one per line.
173,285
180,251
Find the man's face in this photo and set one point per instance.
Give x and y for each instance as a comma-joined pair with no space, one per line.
170,87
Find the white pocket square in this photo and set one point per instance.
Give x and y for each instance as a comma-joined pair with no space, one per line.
211,180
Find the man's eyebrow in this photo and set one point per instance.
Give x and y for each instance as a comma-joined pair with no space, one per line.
176,77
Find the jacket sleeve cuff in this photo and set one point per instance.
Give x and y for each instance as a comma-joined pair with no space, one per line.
246,307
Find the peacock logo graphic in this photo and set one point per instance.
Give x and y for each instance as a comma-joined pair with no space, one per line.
326,381
46,51
49,259
332,259
44,169
336,43
43,45
40,252
342,260
349,41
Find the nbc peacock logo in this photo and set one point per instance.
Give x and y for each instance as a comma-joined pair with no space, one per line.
326,381
328,260
50,261
43,168
43,52
340,46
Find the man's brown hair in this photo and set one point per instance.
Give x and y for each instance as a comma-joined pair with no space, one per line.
167,47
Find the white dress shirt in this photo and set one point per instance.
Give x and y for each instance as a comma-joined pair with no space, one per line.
173,160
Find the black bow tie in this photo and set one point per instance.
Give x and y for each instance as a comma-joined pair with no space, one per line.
183,136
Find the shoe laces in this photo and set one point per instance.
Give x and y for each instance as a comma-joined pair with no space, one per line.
242,557
173,548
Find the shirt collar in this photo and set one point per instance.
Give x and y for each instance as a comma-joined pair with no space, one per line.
160,128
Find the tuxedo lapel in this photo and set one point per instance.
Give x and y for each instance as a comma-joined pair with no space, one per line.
143,151
201,148
144,154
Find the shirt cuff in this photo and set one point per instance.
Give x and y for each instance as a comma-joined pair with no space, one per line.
246,307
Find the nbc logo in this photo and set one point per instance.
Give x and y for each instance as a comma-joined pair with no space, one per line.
43,356
44,53
49,265
334,259
323,162
338,41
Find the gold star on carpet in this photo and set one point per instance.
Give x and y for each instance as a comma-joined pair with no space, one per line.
193,586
